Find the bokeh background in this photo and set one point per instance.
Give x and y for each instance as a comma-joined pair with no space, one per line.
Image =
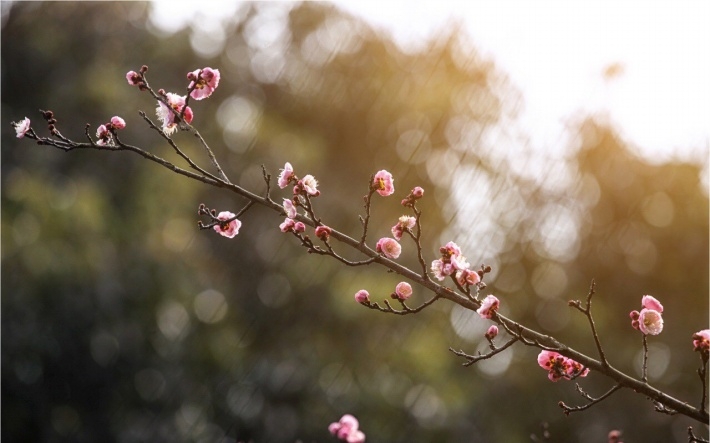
121,321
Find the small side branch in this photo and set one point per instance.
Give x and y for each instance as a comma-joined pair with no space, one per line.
365,221
405,309
592,401
587,311
692,438
417,239
471,359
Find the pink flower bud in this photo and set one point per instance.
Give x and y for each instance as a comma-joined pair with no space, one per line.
417,192
117,122
134,79
323,232
299,227
362,296
492,332
403,291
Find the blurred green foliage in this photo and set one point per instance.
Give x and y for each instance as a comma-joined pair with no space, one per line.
122,322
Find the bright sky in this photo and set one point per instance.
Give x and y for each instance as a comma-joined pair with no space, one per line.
556,51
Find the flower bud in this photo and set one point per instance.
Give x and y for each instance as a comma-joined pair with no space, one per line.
362,296
323,232
492,332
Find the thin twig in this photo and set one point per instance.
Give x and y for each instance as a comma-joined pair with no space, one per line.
692,438
365,222
644,367
405,309
587,311
478,357
592,401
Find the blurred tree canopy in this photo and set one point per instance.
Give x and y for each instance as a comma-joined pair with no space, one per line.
122,322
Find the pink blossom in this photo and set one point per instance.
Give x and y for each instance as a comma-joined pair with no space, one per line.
450,249
290,208
402,291
438,269
287,225
650,322
459,263
347,430
701,341
134,79
489,306
559,366
417,192
22,127
166,115
285,175
362,296
450,262
649,302
405,223
492,332
104,136
310,185
205,81
467,277
383,183
388,247
299,227
323,232
117,122
227,229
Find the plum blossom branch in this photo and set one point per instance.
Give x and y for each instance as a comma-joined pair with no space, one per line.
178,107
566,363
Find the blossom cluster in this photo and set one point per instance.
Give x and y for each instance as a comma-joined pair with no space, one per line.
452,262
346,430
649,320
105,132
558,366
174,107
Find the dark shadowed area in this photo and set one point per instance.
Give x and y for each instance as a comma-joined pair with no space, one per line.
122,322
